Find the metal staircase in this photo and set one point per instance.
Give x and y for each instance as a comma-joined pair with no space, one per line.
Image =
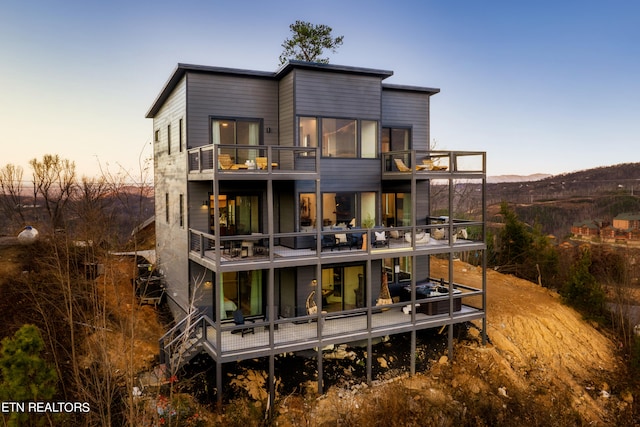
185,340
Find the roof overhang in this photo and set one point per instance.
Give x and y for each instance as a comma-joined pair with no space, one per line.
405,88
332,68
182,69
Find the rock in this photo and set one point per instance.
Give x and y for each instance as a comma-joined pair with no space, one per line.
383,362
28,235
627,396
443,360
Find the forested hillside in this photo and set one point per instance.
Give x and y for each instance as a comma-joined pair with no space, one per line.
555,203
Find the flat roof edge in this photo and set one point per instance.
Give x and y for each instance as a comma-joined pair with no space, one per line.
291,64
407,88
181,69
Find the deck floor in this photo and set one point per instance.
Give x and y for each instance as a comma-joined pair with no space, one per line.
286,252
304,334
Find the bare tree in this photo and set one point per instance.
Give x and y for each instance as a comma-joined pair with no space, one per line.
12,197
54,179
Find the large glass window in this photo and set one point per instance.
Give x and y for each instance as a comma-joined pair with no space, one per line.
308,132
338,208
236,132
369,139
307,211
343,288
396,209
339,138
395,139
368,209
239,215
346,138
398,271
241,290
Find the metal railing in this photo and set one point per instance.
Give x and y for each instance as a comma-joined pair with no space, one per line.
261,159
434,163
459,234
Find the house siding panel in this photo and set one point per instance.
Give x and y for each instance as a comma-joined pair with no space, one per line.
337,95
170,169
287,115
230,97
401,108
350,175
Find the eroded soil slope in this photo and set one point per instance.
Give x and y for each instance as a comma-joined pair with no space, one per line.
543,365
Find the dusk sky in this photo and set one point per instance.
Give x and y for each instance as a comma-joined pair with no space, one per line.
542,87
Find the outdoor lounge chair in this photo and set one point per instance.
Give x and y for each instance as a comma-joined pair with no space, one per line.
225,162
401,166
238,319
432,166
312,307
261,163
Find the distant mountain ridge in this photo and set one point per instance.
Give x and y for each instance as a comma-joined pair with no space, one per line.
622,172
558,201
517,178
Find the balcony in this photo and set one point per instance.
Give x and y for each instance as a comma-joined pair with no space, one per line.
234,162
285,334
299,248
422,165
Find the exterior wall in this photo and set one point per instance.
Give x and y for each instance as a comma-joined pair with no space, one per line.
402,108
287,129
230,97
622,224
170,169
198,214
337,95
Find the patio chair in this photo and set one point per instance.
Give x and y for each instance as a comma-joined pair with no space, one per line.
401,166
380,239
432,165
261,163
238,319
225,162
341,241
327,241
312,307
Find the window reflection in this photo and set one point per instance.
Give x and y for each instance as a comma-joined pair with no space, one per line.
338,138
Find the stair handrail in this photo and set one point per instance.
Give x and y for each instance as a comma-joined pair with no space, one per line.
166,347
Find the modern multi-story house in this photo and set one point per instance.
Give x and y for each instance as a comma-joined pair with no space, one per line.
307,203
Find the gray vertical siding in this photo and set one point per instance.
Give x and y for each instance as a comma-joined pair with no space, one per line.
337,95
405,108
350,175
286,111
170,170
230,96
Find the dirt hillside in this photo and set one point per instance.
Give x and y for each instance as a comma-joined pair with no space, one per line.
543,365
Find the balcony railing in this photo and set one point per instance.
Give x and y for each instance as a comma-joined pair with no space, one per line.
287,332
432,238
427,164
237,159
